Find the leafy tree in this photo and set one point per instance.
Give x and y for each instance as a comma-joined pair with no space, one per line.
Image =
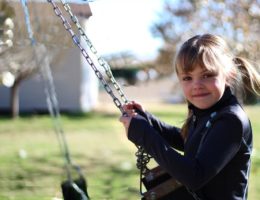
172,27
21,59
5,11
237,21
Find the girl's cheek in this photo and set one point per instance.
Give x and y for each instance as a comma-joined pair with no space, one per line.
186,85
186,91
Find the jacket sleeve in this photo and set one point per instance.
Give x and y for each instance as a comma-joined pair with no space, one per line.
170,133
220,146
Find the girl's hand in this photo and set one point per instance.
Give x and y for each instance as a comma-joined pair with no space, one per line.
126,120
132,106
130,111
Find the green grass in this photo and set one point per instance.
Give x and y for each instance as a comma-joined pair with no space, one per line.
97,144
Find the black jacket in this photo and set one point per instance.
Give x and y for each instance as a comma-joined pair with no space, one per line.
220,169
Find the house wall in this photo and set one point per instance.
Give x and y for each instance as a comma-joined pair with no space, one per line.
67,82
4,98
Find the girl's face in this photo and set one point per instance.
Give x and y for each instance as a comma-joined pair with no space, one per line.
202,87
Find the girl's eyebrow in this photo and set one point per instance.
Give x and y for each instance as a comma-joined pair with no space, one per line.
190,72
205,70
184,73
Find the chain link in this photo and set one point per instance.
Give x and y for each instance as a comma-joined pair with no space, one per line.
76,41
100,60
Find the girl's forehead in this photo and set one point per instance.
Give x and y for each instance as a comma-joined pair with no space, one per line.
195,69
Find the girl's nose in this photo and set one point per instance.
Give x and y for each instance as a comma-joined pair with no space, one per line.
198,83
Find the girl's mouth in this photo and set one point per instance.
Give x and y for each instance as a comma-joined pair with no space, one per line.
200,95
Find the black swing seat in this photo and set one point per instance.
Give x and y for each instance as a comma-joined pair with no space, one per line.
75,190
161,186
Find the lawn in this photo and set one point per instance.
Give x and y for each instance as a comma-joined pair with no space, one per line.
31,165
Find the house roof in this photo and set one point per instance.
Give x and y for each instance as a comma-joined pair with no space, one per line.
81,10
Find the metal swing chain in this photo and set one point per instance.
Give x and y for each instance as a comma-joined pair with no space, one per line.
53,108
49,89
76,41
52,102
100,60
142,157
140,163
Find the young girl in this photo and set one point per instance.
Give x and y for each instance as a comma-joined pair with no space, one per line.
217,137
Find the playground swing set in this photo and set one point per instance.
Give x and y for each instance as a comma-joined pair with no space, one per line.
158,183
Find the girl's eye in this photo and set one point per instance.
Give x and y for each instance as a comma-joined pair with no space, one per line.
186,78
208,75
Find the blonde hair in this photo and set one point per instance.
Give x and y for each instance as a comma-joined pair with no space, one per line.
212,53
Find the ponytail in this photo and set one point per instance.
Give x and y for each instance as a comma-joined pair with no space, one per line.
249,75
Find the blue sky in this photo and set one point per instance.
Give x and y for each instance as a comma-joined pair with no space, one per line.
123,25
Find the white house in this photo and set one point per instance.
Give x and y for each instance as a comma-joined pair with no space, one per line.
75,82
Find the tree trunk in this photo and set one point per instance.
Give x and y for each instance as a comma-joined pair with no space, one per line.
15,100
